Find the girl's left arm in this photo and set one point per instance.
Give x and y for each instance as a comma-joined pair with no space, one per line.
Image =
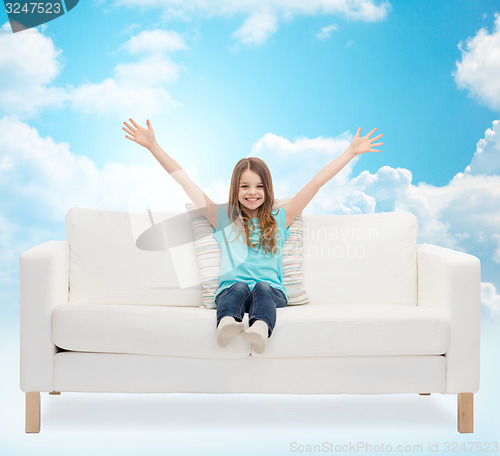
358,146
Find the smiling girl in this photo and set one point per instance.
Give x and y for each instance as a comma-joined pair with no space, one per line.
250,233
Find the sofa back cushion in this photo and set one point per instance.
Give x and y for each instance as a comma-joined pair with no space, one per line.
122,257
361,259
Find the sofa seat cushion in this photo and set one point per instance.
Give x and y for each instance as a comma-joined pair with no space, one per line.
300,331
138,329
346,330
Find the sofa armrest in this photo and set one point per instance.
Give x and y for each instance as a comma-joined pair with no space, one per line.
450,280
44,285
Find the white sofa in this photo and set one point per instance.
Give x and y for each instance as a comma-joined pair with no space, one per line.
117,308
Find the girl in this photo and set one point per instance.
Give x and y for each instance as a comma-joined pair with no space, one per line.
250,233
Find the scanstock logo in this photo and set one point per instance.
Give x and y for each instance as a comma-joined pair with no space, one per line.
25,15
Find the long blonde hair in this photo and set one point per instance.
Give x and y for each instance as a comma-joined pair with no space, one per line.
238,215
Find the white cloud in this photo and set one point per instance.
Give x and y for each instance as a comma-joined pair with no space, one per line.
45,178
302,145
480,66
113,97
257,28
490,298
365,10
154,41
5,163
153,70
7,255
496,253
137,88
325,32
29,64
264,15
486,159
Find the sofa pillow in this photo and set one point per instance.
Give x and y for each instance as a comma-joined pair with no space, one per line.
208,255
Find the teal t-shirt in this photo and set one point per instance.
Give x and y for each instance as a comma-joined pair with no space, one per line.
241,263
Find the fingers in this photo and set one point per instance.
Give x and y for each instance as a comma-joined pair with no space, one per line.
366,136
128,131
135,125
132,129
377,144
132,139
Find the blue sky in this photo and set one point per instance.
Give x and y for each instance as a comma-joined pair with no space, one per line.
222,80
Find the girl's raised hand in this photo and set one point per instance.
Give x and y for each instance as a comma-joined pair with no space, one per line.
140,135
364,144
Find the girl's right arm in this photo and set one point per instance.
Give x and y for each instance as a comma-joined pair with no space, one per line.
147,139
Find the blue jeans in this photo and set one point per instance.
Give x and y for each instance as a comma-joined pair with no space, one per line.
260,303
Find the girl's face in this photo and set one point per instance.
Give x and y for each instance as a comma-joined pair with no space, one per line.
251,192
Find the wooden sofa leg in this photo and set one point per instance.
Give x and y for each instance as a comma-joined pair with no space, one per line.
465,412
33,412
